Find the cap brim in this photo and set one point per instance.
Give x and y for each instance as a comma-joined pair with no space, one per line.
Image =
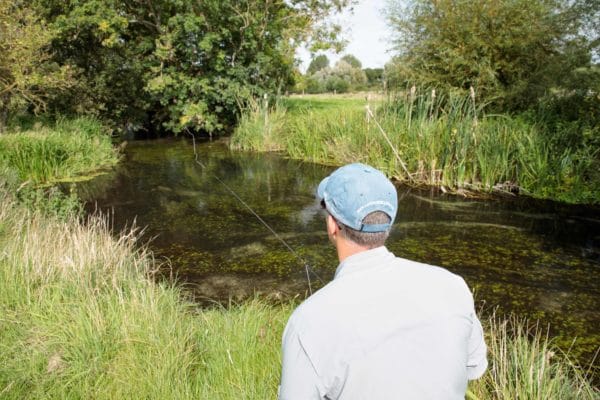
321,188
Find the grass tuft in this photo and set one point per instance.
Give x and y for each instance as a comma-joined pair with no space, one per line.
526,365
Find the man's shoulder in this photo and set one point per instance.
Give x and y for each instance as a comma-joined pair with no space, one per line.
326,309
318,304
431,273
401,279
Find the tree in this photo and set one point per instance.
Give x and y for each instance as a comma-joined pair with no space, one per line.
340,79
355,76
27,76
590,12
317,63
182,65
300,82
315,84
374,76
511,52
353,61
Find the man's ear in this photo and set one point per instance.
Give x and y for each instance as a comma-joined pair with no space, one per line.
332,226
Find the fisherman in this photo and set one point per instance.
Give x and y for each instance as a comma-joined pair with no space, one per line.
385,327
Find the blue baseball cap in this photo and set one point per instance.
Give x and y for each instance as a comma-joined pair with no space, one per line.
355,190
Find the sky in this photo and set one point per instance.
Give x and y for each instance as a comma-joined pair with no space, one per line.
367,33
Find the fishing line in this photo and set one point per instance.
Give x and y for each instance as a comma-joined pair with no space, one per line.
307,267
371,115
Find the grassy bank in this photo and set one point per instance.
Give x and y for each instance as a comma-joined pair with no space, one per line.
35,155
66,150
81,316
422,139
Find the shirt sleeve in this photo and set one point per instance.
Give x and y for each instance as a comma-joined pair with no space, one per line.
299,380
477,362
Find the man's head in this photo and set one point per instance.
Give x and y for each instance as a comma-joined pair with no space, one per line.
362,201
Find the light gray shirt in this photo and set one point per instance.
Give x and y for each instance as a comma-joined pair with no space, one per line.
384,328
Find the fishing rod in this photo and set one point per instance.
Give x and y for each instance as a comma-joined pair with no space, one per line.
307,267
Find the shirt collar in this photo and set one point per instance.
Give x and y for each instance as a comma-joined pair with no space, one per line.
363,261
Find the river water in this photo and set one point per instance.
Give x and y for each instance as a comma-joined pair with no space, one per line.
537,259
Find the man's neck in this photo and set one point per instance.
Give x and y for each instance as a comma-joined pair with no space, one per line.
346,248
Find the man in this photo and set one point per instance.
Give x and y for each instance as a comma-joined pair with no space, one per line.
385,327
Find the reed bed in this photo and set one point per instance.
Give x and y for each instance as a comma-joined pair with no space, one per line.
424,139
61,151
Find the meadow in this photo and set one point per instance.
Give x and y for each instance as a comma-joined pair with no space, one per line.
423,139
83,315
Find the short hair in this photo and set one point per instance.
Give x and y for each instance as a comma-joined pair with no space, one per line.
368,239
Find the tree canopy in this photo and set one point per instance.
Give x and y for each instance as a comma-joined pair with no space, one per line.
511,52
374,76
27,77
317,63
352,60
173,63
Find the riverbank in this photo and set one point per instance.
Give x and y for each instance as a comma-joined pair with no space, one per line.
420,139
43,154
83,316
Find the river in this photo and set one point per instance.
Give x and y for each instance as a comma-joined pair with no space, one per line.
539,260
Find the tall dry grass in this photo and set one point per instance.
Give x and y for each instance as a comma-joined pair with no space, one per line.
82,317
524,364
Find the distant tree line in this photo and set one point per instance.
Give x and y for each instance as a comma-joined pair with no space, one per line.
163,63
347,75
